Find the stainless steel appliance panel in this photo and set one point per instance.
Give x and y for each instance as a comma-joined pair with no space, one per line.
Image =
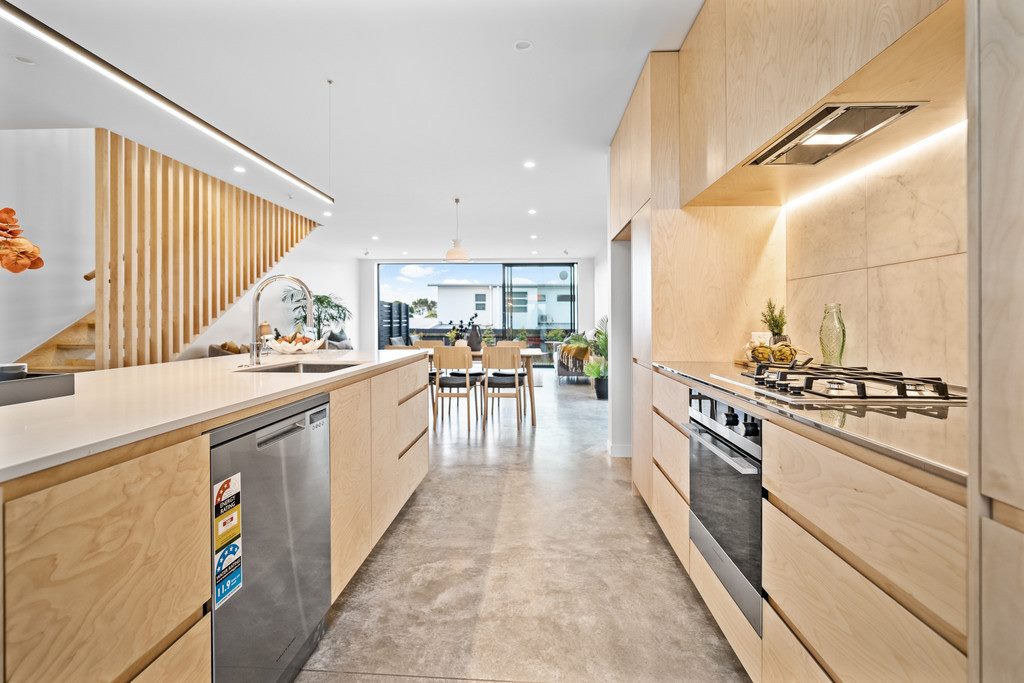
268,628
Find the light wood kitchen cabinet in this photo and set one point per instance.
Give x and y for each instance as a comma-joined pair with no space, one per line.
702,123
737,630
912,539
396,430
783,57
672,452
672,513
784,659
351,539
1002,601
102,569
858,630
672,398
190,658
640,290
643,423
630,156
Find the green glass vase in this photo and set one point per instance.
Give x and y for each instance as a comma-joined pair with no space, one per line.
832,335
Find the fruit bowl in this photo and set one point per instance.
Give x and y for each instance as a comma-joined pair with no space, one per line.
289,347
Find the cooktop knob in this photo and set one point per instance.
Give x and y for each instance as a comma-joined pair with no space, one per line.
751,429
731,419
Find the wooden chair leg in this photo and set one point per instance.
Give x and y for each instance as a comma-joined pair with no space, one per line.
519,422
437,397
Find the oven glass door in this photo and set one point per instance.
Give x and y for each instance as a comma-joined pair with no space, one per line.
725,496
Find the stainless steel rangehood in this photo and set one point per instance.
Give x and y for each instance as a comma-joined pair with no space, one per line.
828,130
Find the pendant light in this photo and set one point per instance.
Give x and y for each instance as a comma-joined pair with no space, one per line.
456,254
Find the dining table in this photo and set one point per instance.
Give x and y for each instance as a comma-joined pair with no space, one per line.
527,355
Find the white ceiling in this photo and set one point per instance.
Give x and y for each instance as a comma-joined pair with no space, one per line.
430,101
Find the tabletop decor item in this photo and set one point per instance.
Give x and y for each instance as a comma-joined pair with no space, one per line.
17,253
297,342
775,320
832,335
474,338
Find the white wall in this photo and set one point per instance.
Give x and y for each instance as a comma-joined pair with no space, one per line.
47,176
620,350
602,284
317,261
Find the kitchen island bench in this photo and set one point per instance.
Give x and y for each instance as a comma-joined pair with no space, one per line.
107,502
863,531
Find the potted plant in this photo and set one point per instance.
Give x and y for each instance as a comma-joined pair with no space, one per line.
489,338
597,370
328,310
521,335
774,318
451,336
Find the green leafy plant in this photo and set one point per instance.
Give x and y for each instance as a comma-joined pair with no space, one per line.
577,339
599,345
521,335
596,369
452,335
774,318
423,307
488,337
328,310
555,334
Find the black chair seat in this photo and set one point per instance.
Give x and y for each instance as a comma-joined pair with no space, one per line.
502,373
503,381
452,382
460,373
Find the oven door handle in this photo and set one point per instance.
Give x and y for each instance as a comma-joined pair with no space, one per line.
735,462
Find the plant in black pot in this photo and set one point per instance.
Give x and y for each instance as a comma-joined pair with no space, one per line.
597,370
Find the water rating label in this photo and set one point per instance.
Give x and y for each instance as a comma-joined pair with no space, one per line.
227,538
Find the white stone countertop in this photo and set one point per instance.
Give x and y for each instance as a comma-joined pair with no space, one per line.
111,408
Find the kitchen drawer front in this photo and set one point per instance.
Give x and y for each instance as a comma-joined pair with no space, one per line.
411,377
413,467
671,398
190,658
100,569
784,659
412,418
672,453
737,630
858,630
673,515
913,538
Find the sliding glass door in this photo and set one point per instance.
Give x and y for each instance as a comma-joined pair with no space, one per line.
538,298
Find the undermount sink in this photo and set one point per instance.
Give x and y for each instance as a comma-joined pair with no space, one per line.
301,367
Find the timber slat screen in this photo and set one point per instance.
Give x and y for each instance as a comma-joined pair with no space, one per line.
175,247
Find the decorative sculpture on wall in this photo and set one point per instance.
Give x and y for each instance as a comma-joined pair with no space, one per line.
17,253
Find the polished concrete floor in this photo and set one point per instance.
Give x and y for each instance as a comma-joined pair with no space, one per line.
524,556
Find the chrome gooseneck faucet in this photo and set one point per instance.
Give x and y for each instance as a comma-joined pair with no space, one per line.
256,348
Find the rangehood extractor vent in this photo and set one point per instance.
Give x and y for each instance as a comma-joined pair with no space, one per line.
828,130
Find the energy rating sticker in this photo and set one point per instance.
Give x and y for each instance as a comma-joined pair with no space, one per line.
227,572
227,538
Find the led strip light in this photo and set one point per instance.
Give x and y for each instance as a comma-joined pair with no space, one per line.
37,29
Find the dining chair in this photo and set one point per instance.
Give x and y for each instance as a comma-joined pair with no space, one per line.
431,371
519,344
447,360
508,361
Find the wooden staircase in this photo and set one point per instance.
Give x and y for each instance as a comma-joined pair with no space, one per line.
73,349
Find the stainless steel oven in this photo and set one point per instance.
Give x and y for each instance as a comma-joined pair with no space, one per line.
725,497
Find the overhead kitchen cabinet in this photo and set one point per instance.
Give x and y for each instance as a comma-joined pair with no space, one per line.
784,62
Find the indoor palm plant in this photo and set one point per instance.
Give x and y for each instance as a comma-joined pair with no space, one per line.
597,367
328,310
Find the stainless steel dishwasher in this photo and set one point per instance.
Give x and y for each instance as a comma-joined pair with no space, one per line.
272,555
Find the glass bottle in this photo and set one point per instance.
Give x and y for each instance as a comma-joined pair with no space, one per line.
832,335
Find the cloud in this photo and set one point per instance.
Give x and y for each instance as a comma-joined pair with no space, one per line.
522,281
402,278
458,281
416,271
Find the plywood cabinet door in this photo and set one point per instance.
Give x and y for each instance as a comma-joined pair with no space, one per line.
783,57
190,658
643,426
625,168
640,274
639,113
100,569
351,539
614,200
702,102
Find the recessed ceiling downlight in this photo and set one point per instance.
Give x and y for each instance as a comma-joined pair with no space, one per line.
522,45
532,212
529,163
239,169
328,214
24,61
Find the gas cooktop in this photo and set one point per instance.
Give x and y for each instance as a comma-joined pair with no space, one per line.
807,384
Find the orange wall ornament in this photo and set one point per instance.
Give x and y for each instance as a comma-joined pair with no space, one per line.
17,253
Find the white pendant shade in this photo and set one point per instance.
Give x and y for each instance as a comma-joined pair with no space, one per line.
456,253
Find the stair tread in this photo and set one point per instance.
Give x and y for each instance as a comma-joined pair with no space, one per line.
61,368
75,345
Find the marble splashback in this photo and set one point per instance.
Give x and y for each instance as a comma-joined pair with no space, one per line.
890,246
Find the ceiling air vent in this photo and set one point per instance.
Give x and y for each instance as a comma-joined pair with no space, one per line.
828,130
